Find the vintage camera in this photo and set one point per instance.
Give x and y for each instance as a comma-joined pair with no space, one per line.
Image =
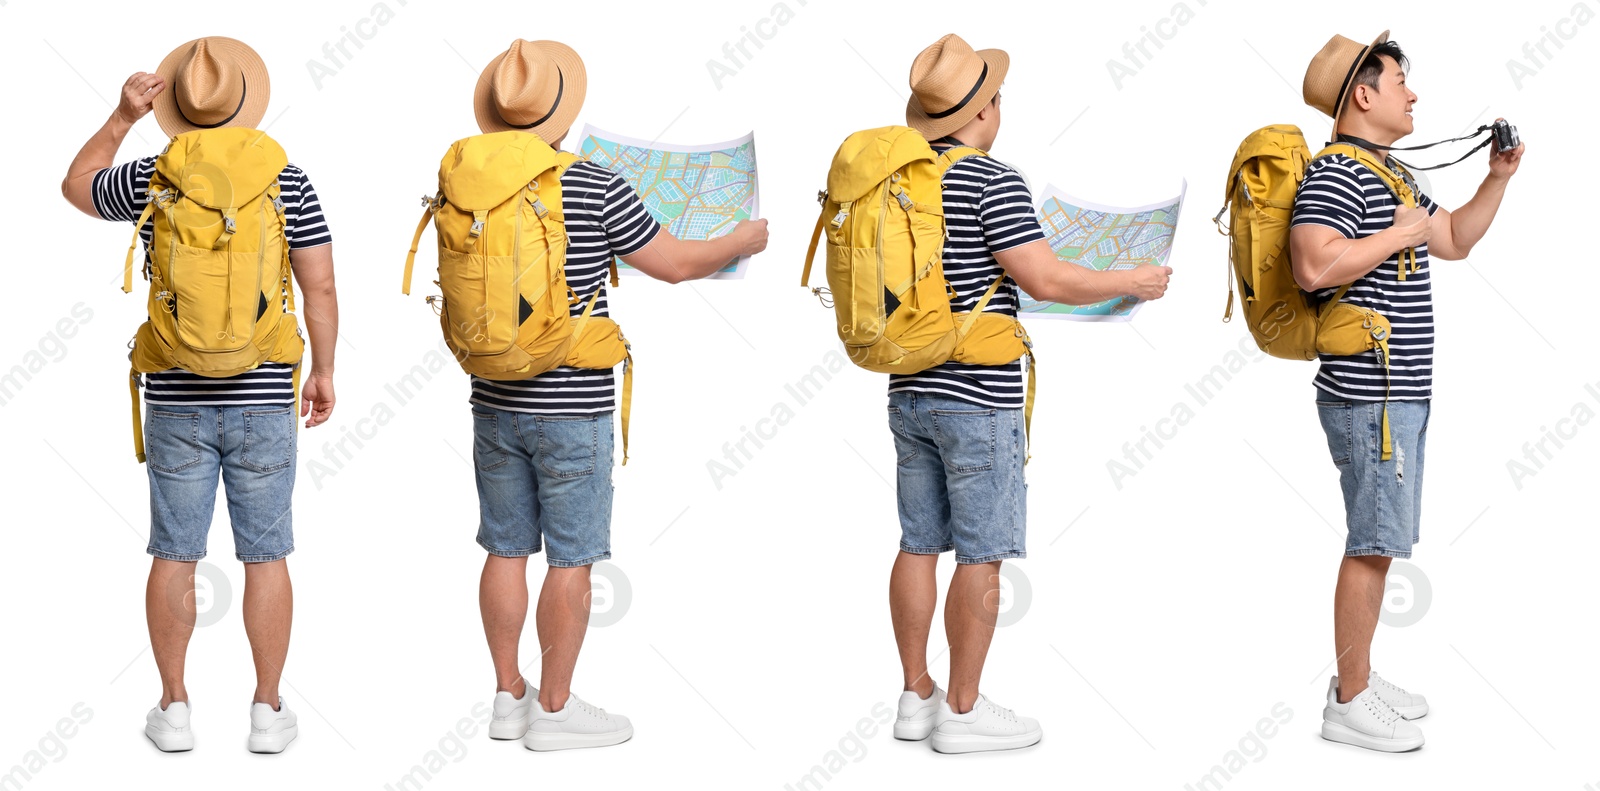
1505,135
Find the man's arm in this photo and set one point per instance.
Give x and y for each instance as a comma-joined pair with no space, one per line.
1455,233
313,272
98,153
1047,278
1324,257
674,260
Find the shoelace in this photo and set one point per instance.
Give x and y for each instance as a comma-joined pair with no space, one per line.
1381,711
1003,713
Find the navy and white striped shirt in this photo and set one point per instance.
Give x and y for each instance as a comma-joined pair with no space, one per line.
119,195
987,209
604,217
1340,193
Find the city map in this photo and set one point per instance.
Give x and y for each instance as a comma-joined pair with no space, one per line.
696,191
1104,238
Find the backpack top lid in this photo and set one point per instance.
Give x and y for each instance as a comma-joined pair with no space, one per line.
481,172
866,158
221,168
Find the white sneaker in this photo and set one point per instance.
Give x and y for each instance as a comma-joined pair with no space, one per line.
1368,721
915,717
1409,704
169,729
986,727
511,714
271,731
577,724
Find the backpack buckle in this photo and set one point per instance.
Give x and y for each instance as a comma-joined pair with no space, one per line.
477,228
822,197
538,207
838,219
228,224
905,200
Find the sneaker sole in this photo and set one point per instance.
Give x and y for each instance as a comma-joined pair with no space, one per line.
169,742
547,742
913,730
1342,734
969,743
270,743
505,730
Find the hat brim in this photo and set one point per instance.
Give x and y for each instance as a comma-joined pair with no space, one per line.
258,86
934,128
1350,78
575,85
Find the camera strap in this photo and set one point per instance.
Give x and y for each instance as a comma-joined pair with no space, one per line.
1375,147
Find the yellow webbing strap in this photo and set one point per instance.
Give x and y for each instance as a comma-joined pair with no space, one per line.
1027,415
127,266
811,252
411,257
138,423
983,301
627,401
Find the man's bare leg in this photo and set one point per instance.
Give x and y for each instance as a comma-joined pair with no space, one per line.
1357,603
268,615
913,595
970,611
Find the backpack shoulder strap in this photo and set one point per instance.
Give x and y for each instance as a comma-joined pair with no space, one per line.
958,153
1398,184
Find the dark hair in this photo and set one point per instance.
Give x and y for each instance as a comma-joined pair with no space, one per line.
1371,68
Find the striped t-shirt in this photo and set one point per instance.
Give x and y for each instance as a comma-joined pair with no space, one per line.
119,195
987,209
1341,193
604,217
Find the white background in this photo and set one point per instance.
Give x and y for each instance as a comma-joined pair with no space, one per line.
1173,613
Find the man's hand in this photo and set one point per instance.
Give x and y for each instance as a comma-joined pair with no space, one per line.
1503,165
138,94
752,236
1411,227
316,398
1149,282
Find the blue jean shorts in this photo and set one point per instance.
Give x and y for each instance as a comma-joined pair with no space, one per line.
959,478
544,482
1382,499
253,447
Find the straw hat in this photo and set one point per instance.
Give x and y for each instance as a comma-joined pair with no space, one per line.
950,83
1333,71
534,86
211,82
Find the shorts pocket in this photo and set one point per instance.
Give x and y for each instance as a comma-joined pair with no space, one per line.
172,440
1338,421
487,453
268,439
568,445
966,438
904,450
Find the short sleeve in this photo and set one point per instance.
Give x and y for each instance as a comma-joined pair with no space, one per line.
119,191
628,224
1331,196
1427,203
305,225
1007,213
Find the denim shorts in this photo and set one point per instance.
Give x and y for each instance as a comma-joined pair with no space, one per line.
959,478
1382,499
253,447
544,482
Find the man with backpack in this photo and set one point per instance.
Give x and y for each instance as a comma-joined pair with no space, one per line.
959,426
228,219
543,440
1362,235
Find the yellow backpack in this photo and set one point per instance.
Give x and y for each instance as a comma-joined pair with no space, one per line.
502,266
1259,200
883,216
221,289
